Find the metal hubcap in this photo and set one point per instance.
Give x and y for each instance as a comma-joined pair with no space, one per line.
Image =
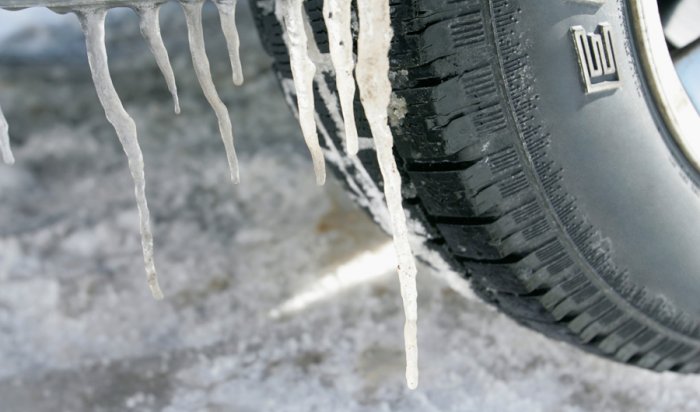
672,98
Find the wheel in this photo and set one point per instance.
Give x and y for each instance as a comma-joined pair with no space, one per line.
538,160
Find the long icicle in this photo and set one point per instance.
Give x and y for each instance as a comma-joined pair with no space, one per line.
303,71
195,35
372,72
5,149
227,15
337,15
92,21
150,29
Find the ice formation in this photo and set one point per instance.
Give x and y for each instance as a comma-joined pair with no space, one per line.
371,75
291,16
373,43
195,35
150,29
227,14
337,16
5,150
92,21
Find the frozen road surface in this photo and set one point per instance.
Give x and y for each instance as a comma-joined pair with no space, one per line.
280,295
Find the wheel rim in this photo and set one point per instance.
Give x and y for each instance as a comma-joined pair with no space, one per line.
671,97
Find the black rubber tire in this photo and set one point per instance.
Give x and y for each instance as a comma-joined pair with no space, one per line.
575,214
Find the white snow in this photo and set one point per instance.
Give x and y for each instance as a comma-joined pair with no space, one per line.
291,16
195,36
5,149
92,21
227,15
150,29
337,16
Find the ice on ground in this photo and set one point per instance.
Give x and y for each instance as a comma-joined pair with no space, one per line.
195,36
290,13
92,21
150,29
337,16
227,15
5,149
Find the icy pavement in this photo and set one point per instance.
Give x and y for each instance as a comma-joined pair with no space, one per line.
79,332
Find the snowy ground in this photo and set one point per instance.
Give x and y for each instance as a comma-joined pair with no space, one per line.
80,332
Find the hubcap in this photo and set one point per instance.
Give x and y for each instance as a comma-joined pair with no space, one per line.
672,98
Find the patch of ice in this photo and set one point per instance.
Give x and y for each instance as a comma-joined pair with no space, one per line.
362,268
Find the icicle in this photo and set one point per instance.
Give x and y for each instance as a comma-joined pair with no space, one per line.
337,17
227,15
5,149
92,21
150,29
372,72
303,70
195,35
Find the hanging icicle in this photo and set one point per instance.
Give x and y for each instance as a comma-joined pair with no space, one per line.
92,21
337,16
227,15
371,73
5,149
195,35
372,76
291,16
150,29
374,41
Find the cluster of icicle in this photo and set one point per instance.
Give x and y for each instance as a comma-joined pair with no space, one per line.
370,72
372,75
92,20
